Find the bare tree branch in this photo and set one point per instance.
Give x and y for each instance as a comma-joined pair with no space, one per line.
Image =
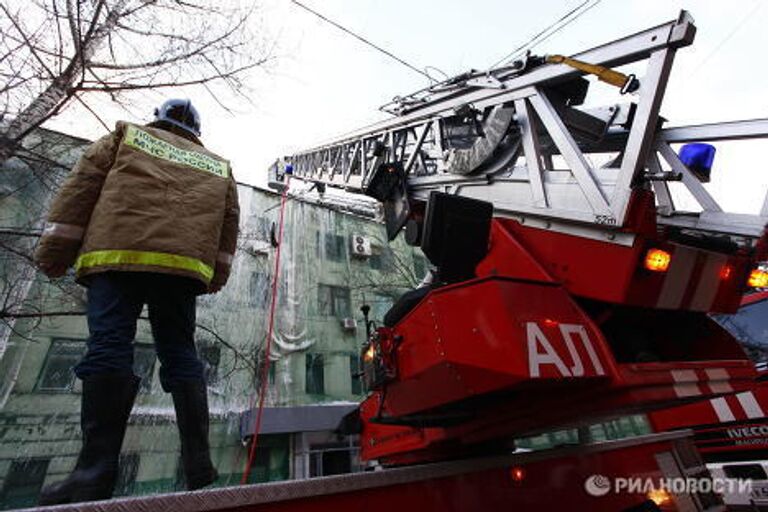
78,48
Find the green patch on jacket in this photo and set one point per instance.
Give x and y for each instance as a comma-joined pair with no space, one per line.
158,148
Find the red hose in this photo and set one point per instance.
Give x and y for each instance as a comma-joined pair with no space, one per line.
265,367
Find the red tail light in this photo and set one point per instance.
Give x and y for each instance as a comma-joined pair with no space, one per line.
517,474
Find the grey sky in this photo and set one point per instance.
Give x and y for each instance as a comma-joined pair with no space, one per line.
326,82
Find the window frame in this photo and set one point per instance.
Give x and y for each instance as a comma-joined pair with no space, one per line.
336,295
208,366
382,258
313,361
335,247
47,360
9,484
356,380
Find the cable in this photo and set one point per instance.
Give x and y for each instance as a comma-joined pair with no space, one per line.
589,8
728,37
447,77
364,40
529,44
524,45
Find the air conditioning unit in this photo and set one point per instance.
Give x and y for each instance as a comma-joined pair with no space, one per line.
349,324
361,246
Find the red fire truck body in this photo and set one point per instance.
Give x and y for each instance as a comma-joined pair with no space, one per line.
556,360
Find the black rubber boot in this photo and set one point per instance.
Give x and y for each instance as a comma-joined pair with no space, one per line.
106,405
191,402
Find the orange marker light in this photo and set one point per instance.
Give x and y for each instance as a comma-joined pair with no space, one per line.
758,279
657,260
517,474
660,497
369,354
726,272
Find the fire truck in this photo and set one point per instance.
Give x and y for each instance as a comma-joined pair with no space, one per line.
569,286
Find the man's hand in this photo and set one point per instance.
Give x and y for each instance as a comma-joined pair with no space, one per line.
53,270
215,287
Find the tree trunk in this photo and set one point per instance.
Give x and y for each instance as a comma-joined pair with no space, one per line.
47,103
36,113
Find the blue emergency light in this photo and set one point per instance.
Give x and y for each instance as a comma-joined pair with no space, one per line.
698,158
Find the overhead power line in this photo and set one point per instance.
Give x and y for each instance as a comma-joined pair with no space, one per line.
749,16
562,22
364,40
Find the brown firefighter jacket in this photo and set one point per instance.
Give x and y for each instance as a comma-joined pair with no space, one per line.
145,199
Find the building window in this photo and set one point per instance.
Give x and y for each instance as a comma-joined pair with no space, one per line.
271,462
354,370
332,459
126,475
335,248
380,306
315,381
333,301
258,289
210,355
376,261
419,266
23,483
57,373
144,366
382,258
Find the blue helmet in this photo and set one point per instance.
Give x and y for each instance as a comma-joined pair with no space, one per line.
179,113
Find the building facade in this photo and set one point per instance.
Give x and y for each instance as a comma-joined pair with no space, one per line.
334,259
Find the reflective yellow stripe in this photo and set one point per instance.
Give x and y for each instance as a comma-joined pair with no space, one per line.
143,141
159,259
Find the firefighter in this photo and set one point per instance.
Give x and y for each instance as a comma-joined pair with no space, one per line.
147,216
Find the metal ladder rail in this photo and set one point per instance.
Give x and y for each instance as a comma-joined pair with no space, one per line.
416,139
712,218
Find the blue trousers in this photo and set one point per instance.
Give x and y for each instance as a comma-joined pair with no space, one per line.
115,302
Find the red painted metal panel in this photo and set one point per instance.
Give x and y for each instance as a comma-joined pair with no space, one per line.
490,335
495,358
697,279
